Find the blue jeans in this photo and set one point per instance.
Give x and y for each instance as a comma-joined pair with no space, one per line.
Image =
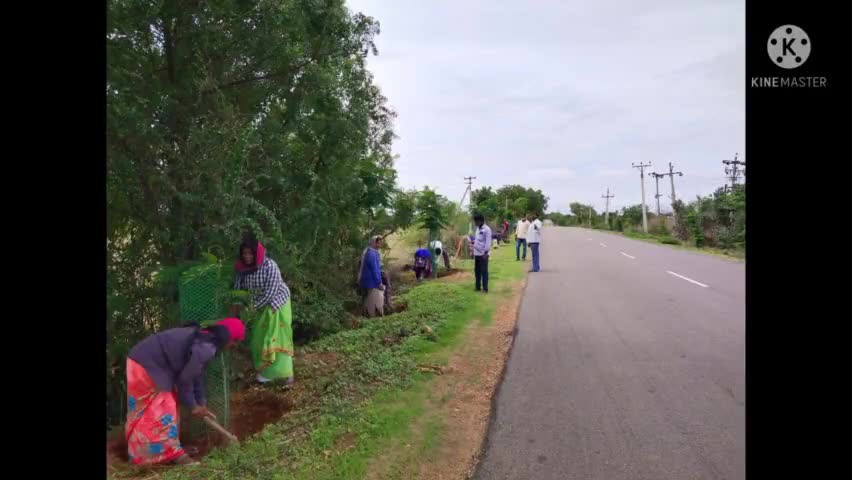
536,257
518,243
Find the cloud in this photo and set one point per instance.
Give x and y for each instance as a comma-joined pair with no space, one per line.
613,172
562,96
548,174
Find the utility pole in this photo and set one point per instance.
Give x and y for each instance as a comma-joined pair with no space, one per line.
641,168
657,177
607,197
671,175
733,172
469,189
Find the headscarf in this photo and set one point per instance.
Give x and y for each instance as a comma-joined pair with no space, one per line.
234,326
259,256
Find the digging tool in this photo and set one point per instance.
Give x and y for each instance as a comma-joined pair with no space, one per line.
215,426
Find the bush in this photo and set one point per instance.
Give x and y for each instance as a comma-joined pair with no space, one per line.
668,240
657,226
695,230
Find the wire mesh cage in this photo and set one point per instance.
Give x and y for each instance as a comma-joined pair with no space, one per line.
203,298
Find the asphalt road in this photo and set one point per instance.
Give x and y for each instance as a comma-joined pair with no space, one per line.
629,363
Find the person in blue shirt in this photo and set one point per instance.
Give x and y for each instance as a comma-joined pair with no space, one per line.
422,264
481,251
370,278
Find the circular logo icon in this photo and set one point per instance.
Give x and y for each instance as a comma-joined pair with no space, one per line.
789,46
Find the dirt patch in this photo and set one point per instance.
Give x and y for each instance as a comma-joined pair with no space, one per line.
470,383
253,409
329,360
116,449
397,307
461,396
345,442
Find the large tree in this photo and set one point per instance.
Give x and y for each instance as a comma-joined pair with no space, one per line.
236,115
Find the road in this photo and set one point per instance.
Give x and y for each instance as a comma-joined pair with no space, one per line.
629,363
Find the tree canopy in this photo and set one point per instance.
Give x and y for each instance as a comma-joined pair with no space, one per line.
509,202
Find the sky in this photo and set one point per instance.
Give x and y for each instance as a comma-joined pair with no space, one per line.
563,95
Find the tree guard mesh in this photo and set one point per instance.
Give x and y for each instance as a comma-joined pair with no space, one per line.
203,292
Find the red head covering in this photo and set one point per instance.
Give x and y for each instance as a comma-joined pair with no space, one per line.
236,329
259,256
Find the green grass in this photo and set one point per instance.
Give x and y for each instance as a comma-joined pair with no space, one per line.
376,392
738,254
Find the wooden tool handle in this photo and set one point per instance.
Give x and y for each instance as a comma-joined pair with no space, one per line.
215,425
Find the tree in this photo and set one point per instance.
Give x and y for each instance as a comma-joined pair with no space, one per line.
224,117
632,215
581,213
521,200
387,221
431,211
561,219
484,201
508,202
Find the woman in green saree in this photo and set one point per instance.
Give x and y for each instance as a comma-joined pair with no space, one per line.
271,341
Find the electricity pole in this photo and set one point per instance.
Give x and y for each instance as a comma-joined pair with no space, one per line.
671,175
469,189
641,168
734,172
657,177
607,197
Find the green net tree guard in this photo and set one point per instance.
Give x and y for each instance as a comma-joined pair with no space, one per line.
203,297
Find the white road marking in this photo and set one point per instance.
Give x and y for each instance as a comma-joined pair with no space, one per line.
603,245
588,239
631,257
687,279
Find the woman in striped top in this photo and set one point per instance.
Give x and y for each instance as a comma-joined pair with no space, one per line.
271,340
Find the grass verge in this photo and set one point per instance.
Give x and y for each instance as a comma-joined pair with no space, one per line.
737,254
374,396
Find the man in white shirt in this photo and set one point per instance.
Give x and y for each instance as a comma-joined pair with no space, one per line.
521,238
534,240
481,249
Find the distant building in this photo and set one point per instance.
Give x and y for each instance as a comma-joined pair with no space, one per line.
547,223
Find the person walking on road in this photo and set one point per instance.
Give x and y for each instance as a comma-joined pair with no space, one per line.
534,241
521,238
481,250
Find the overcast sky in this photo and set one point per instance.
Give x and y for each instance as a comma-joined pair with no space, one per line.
563,95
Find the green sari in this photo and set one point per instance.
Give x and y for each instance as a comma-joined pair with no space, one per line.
271,342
